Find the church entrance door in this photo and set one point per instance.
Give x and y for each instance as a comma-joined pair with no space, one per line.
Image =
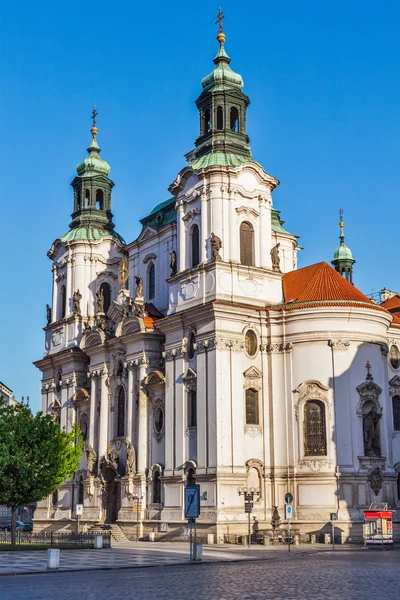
113,501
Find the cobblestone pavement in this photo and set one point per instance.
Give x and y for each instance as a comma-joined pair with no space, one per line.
346,575
135,555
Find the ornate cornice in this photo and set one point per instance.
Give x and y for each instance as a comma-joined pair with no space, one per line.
155,362
339,344
96,373
277,348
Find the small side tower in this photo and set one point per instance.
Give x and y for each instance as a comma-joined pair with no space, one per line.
343,260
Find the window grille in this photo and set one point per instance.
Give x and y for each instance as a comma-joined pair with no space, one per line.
246,244
314,429
252,416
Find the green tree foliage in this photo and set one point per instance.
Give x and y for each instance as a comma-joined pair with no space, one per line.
35,456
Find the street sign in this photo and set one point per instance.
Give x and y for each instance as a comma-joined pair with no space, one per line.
192,501
79,509
288,512
333,517
288,498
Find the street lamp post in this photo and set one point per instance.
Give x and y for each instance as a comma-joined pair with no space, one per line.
248,506
137,499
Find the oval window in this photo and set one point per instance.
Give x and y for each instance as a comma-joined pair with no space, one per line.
158,419
191,346
251,343
394,357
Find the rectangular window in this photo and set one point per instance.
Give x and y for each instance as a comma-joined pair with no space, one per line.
192,408
396,413
252,417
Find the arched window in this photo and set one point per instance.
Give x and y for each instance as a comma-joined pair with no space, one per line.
63,302
192,408
106,295
156,487
246,244
121,413
78,201
54,498
396,413
234,119
394,356
80,492
99,199
84,427
252,412
220,117
195,246
207,121
87,199
151,282
314,428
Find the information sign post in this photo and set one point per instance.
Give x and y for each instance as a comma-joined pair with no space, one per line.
192,512
79,512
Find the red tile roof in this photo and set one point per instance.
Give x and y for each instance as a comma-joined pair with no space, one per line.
392,303
319,282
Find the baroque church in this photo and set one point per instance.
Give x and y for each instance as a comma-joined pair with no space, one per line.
199,352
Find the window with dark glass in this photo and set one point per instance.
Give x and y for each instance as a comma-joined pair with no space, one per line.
252,416
234,119
152,281
63,302
121,413
314,428
246,244
192,408
54,498
220,117
396,412
99,200
195,246
80,492
106,295
156,488
190,346
207,121
84,428
394,357
251,342
158,419
87,199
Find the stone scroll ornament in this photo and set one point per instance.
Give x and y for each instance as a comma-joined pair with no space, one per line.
375,480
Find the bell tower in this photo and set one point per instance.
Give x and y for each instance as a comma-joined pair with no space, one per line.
222,107
343,260
92,189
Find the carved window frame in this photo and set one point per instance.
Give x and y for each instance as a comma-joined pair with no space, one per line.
190,382
252,380
158,404
308,391
368,391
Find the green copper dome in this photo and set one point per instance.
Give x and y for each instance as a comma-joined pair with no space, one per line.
89,233
222,77
342,252
93,163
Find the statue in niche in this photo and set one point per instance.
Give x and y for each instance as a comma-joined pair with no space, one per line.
275,259
100,300
48,314
216,246
76,298
139,287
172,264
91,458
130,458
371,432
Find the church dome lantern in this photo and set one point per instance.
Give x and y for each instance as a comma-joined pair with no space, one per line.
343,260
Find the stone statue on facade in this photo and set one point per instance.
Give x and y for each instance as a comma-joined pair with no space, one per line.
216,246
76,298
275,518
130,458
100,300
139,287
91,458
275,259
48,314
371,432
172,264
123,271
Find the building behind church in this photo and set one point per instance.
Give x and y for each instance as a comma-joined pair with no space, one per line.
199,352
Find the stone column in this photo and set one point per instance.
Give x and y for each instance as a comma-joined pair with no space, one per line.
130,402
264,234
92,410
104,409
234,241
204,231
68,288
54,307
181,236
142,429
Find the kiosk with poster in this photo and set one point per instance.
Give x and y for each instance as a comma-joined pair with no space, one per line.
378,525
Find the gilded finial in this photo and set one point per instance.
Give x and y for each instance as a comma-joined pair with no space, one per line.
221,37
94,131
341,224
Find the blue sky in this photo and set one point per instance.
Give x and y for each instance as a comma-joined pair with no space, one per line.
324,82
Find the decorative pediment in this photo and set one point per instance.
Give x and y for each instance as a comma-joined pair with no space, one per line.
147,233
368,391
107,274
92,337
252,378
189,379
191,214
130,325
149,257
312,390
245,210
394,383
81,395
154,378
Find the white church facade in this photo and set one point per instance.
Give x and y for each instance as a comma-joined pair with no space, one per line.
200,352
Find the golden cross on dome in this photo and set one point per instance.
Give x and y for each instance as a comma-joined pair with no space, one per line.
218,22
94,115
